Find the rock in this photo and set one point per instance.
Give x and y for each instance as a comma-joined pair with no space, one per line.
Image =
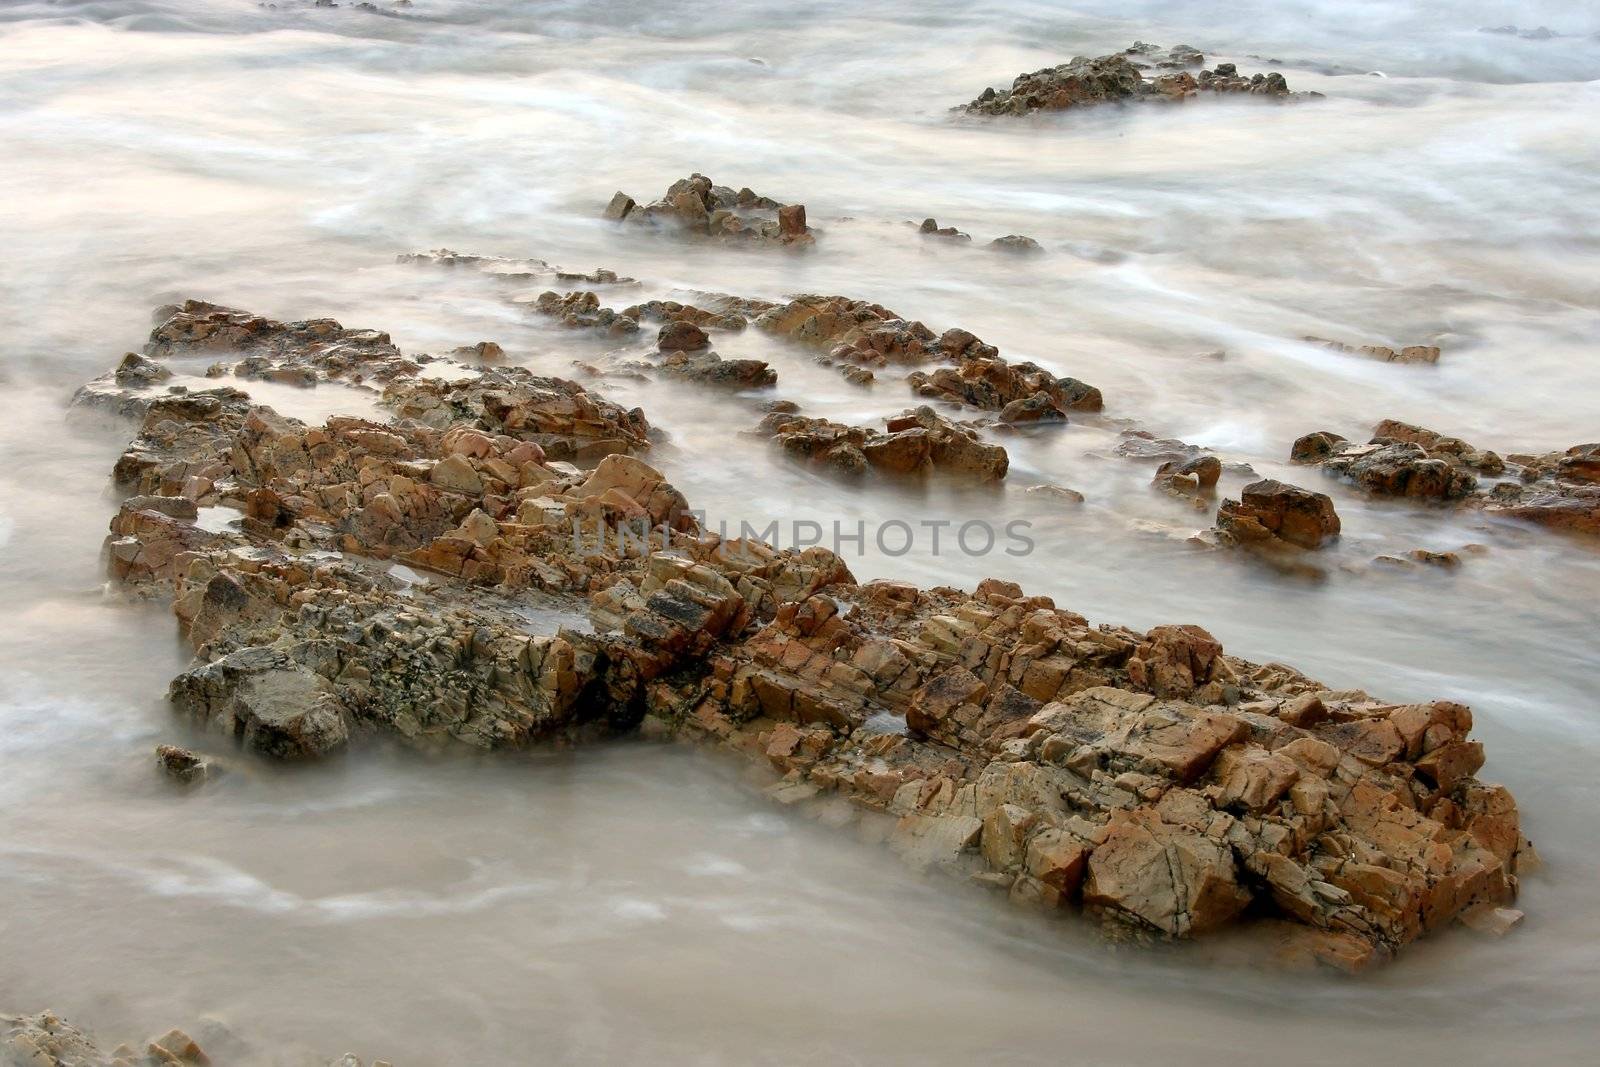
270,705
1409,354
1174,660
712,368
1557,489
1178,880
455,472
1086,82
182,764
695,207
1315,447
1176,787
918,443
620,207
792,221
1016,244
681,337
1185,476
1275,510
176,1047
857,334
1057,492
486,351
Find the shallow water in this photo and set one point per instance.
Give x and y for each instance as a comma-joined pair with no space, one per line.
637,901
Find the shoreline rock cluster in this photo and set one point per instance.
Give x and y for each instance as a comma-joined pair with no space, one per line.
1119,78
1556,489
1149,780
858,337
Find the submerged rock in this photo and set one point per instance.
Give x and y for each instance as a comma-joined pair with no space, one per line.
1382,353
1085,82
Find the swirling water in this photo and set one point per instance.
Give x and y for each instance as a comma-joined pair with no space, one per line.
634,901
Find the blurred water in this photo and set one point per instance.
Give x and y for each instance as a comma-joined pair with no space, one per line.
636,902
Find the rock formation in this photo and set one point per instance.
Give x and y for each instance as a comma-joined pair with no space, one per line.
1151,780
862,334
1119,78
917,443
1556,489
1273,511
696,207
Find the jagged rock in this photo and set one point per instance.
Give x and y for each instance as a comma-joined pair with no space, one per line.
181,764
1175,787
859,334
272,706
1085,82
1558,489
582,311
1179,879
918,443
695,207
1273,510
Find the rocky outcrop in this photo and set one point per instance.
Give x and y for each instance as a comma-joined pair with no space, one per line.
1273,511
695,207
1120,78
1151,780
862,334
47,1040
918,443
583,311
1556,489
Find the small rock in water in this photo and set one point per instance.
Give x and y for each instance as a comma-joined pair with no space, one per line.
182,764
1016,243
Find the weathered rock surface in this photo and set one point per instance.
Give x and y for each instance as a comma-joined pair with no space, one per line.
918,443
1150,779
1273,511
1119,78
858,333
1556,489
696,207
